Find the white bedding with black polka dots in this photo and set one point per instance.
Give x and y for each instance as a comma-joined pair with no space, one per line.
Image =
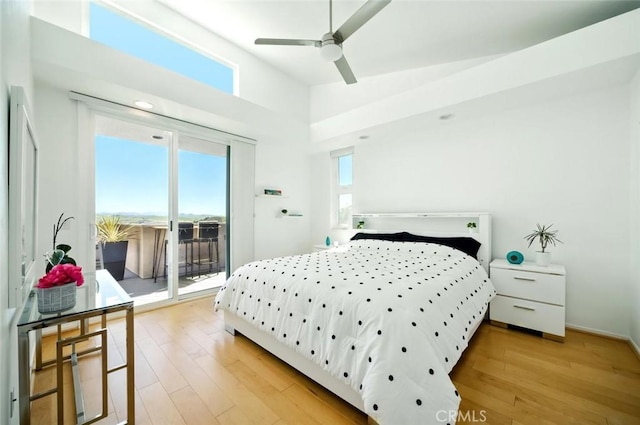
390,319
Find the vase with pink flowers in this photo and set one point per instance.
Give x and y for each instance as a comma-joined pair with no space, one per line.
56,290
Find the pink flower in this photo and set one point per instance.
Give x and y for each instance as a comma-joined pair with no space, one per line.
61,274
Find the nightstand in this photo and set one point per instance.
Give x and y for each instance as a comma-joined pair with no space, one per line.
529,296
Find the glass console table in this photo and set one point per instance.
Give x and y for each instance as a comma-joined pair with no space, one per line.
107,298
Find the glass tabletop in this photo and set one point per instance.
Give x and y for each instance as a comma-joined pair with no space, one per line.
99,293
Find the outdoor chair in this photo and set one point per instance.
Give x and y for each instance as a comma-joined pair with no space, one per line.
185,237
208,233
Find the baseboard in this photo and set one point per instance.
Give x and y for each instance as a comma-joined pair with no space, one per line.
632,344
597,332
634,348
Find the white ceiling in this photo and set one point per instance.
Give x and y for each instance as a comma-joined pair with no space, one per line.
406,34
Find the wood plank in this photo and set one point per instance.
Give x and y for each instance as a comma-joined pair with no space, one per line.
264,364
471,412
271,396
234,416
550,407
170,378
191,407
316,407
144,374
211,394
159,405
220,345
530,380
616,353
254,408
509,376
335,403
488,384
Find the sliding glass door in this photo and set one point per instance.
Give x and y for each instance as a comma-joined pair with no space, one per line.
202,207
161,203
132,205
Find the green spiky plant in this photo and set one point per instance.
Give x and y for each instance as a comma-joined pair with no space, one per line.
545,235
111,230
59,254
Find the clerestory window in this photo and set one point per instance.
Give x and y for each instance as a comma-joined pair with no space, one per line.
119,32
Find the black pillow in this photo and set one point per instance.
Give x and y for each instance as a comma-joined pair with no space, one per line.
467,245
393,237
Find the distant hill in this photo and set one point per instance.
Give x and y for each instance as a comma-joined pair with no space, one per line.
137,218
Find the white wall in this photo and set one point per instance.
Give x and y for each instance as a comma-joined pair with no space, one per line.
563,162
57,126
286,167
15,69
634,298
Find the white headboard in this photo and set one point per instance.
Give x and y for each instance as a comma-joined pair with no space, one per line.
444,224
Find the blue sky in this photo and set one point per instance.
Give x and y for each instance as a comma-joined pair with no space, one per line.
114,30
345,167
202,183
132,177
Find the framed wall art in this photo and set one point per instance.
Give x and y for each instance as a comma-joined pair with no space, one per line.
23,199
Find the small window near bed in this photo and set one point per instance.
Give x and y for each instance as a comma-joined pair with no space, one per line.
342,183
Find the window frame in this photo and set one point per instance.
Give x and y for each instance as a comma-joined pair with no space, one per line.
337,189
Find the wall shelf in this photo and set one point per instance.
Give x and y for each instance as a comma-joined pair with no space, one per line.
272,196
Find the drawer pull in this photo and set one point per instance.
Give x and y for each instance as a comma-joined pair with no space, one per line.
524,308
528,279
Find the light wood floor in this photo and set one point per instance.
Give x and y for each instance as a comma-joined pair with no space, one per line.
190,371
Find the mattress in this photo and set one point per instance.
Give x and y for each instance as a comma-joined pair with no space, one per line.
389,319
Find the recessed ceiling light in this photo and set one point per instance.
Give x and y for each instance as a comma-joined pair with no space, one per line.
143,104
364,137
445,117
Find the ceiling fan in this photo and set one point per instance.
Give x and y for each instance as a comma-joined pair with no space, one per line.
331,43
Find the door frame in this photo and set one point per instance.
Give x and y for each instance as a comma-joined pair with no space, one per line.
240,179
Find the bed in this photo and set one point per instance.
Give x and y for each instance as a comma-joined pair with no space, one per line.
380,321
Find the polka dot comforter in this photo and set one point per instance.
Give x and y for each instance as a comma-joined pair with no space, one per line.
390,319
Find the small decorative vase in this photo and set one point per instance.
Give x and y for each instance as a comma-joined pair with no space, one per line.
56,299
515,257
327,241
543,258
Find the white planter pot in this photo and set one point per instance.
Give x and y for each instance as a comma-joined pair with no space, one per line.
543,258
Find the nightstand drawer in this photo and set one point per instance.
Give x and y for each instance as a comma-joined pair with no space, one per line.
547,288
528,314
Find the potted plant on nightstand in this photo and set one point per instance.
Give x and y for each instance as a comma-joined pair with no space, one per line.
545,235
114,238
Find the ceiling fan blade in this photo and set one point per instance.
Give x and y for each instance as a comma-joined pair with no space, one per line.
358,19
288,42
345,70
